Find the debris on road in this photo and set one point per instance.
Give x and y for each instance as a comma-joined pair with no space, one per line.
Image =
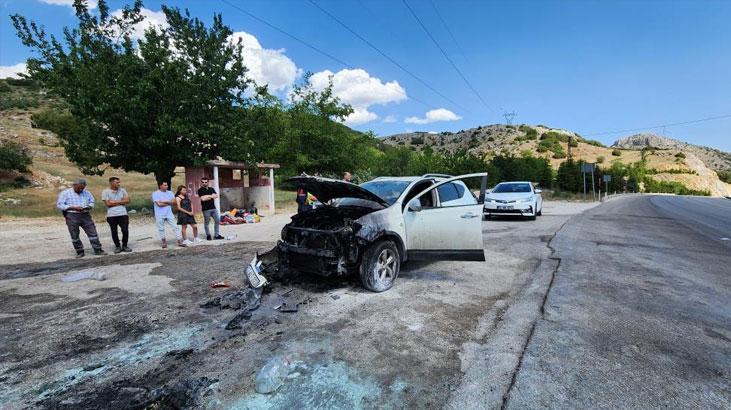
253,275
248,299
220,284
235,323
289,308
272,375
84,275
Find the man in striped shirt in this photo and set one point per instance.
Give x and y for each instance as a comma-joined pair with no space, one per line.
75,203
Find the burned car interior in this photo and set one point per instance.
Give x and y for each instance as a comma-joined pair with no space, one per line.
370,229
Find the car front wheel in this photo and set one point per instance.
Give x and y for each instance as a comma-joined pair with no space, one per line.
380,266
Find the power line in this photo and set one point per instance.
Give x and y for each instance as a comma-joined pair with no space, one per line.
446,27
446,56
719,117
386,56
292,36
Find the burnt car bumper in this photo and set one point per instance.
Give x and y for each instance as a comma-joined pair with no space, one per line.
322,252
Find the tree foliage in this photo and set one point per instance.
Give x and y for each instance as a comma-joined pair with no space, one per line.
14,156
145,106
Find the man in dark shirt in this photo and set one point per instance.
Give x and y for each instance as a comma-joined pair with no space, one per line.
208,204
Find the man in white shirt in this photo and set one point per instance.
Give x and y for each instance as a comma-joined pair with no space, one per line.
163,201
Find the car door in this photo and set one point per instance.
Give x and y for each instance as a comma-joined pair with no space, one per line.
450,229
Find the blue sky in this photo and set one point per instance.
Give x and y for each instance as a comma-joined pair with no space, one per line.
588,66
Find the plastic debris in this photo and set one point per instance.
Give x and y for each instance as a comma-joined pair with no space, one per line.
272,375
220,284
253,276
85,275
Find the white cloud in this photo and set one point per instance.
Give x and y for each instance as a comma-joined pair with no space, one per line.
152,19
91,4
267,66
440,114
13,70
357,88
390,119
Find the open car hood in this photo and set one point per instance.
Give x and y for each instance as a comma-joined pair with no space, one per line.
326,189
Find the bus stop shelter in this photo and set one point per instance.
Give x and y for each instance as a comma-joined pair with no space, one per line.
239,185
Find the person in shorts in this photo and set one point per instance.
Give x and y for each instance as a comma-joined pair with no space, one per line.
115,198
185,214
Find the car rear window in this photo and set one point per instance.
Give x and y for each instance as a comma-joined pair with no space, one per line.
450,192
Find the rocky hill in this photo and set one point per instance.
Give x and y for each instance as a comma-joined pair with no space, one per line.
694,166
714,159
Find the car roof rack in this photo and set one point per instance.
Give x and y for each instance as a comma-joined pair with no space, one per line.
436,176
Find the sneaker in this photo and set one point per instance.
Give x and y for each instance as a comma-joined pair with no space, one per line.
208,237
126,248
80,254
197,240
218,237
164,243
182,244
99,252
117,250
187,242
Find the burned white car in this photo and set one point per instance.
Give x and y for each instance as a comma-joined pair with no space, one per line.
371,229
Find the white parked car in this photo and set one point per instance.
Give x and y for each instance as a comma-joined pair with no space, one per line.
374,227
514,198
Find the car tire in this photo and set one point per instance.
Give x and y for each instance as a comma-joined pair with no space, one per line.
540,212
380,266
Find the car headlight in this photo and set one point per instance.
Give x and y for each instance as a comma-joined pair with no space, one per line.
490,200
525,200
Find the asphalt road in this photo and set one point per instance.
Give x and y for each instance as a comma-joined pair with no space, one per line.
639,311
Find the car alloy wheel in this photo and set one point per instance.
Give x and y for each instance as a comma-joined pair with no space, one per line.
380,266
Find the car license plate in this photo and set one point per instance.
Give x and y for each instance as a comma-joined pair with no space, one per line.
504,207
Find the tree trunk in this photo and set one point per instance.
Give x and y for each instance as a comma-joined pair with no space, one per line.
165,175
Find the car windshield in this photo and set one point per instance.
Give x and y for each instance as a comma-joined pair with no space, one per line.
511,187
389,191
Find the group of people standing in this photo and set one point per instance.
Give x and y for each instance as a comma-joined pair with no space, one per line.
77,202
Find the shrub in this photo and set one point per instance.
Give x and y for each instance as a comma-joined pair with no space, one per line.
14,156
21,103
616,152
4,87
680,155
417,140
490,139
594,143
725,176
672,187
401,143
21,82
600,159
573,142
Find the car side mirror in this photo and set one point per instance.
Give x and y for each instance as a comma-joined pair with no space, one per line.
415,205
538,191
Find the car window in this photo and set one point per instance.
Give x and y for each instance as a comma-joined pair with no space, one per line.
512,188
427,201
389,191
455,194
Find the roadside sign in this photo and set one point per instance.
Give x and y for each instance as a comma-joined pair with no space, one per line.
607,178
587,168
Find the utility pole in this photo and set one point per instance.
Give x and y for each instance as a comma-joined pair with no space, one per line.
509,117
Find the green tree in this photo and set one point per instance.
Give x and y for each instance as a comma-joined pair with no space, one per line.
14,156
145,106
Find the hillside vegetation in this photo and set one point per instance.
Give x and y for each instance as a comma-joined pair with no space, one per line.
670,162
